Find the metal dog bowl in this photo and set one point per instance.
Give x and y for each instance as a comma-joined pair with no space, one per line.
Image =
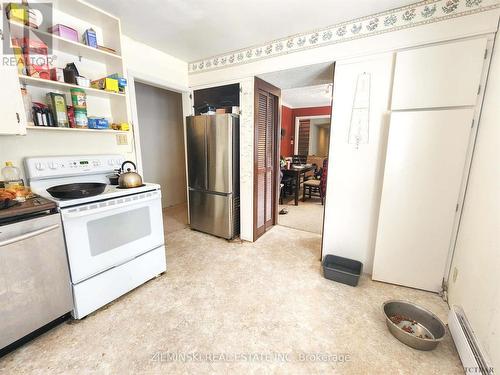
413,325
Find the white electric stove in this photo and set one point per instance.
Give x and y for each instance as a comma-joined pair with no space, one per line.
114,240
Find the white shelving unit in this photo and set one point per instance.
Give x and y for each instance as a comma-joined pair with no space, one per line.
68,46
92,63
32,126
49,84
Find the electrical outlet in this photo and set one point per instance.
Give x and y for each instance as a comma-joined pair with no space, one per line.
455,274
121,139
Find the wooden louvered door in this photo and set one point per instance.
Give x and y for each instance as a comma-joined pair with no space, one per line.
304,130
266,125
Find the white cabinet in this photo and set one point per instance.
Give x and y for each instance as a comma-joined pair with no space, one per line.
12,114
445,75
426,156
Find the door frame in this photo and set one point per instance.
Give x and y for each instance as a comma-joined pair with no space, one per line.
135,76
296,130
334,63
273,90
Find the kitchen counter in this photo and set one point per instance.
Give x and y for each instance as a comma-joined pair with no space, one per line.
30,207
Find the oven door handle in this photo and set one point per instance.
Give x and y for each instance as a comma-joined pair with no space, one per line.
69,214
28,235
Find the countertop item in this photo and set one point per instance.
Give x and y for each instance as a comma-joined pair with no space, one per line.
128,178
113,178
77,190
7,203
11,175
413,325
30,206
34,269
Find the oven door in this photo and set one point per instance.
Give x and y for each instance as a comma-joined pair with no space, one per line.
102,235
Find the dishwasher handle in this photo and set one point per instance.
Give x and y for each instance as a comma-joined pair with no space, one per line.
28,235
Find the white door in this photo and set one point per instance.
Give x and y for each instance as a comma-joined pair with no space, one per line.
423,172
444,75
12,115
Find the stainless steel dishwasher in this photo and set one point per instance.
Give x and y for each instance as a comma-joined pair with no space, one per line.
34,276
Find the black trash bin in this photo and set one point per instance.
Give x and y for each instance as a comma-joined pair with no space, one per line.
343,270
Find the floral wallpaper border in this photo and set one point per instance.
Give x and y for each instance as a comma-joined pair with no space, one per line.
424,12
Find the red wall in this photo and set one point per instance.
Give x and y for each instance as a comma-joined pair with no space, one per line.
288,116
287,126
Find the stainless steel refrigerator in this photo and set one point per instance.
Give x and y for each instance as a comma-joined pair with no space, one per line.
213,174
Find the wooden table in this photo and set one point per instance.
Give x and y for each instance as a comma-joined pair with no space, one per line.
296,172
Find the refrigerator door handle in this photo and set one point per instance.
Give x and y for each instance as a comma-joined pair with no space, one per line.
207,153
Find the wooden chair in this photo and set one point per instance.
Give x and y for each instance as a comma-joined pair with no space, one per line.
316,186
299,159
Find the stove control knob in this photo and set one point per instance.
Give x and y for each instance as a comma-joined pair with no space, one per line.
110,162
40,166
53,165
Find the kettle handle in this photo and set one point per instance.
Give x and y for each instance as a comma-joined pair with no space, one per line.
128,162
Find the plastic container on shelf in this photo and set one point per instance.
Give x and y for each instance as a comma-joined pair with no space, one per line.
12,176
81,120
28,104
79,98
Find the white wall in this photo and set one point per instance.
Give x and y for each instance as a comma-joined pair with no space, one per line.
162,141
151,63
313,138
319,136
475,275
323,141
51,142
355,174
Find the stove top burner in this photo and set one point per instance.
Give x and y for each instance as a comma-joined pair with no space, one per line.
77,190
124,188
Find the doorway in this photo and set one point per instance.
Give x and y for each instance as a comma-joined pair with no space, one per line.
160,118
306,95
266,160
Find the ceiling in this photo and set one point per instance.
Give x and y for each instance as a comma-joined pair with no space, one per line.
306,86
303,97
311,75
194,29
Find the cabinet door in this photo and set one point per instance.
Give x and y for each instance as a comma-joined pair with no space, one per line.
444,75
424,167
12,114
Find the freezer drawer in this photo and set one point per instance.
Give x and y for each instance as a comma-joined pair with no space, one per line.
212,213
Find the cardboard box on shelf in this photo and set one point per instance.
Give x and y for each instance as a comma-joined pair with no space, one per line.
64,31
36,58
106,84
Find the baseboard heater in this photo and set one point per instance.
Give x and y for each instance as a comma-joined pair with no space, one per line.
472,356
